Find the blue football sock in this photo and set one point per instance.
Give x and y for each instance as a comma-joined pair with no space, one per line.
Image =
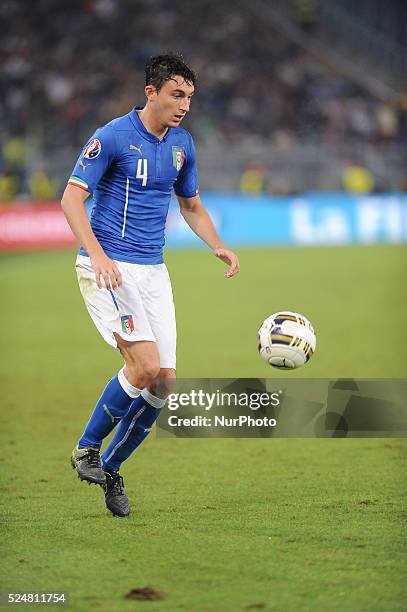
113,404
133,429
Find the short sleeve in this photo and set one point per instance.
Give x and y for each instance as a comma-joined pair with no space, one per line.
186,185
96,157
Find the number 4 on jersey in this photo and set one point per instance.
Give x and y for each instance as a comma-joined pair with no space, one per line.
142,171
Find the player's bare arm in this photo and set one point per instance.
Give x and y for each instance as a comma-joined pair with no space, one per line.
74,209
200,222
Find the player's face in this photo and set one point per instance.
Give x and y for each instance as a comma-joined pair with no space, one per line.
172,102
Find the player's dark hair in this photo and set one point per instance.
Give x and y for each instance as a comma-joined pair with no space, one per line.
162,68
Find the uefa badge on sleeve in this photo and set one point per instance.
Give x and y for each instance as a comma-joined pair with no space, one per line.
127,323
92,149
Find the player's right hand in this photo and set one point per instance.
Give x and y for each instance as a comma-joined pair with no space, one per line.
106,272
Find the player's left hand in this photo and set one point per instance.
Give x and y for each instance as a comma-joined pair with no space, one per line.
229,258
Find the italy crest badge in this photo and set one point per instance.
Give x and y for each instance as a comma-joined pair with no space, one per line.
178,157
127,323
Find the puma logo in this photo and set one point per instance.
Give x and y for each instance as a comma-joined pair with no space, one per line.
84,166
106,409
133,148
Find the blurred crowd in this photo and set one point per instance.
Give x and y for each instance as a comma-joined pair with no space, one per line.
69,66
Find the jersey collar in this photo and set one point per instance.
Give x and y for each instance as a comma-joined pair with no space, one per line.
139,125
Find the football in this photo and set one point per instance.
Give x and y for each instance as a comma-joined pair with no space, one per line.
286,340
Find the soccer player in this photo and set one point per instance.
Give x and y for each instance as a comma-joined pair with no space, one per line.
130,167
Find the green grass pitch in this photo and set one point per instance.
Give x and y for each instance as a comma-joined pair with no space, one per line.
216,524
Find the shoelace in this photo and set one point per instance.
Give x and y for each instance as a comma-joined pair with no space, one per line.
116,484
93,458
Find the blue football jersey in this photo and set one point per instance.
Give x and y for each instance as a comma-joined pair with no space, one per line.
131,174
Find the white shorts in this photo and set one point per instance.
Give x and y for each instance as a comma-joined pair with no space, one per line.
141,309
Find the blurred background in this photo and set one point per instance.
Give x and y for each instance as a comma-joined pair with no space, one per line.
300,116
294,95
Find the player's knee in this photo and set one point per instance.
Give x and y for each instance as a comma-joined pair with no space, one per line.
167,374
165,382
141,375
151,370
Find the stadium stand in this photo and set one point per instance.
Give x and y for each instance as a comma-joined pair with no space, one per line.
264,95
